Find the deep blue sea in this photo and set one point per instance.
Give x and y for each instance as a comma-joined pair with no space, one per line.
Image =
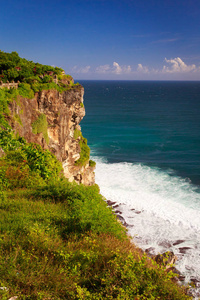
145,138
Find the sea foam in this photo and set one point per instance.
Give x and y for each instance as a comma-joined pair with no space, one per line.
159,208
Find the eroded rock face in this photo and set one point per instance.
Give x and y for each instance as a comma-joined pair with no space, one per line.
63,111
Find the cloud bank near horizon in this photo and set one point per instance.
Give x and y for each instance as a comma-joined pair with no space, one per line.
171,66
177,65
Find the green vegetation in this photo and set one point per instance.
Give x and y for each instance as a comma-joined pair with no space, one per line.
5,98
17,119
25,90
92,163
67,77
85,150
77,133
33,77
40,126
25,165
13,67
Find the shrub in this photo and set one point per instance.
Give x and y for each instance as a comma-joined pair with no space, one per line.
25,90
40,126
85,152
77,133
8,141
17,119
92,163
25,164
4,110
42,161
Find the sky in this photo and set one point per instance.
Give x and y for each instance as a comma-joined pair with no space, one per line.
106,39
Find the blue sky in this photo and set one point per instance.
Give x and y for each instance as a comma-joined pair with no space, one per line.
106,39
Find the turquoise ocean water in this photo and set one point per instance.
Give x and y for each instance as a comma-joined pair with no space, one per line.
145,138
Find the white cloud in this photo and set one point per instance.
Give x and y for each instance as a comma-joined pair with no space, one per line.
142,69
83,70
117,68
177,66
171,68
103,69
127,69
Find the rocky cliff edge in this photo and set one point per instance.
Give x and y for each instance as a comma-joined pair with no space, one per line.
51,119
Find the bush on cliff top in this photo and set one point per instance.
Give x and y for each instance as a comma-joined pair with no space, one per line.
33,77
13,67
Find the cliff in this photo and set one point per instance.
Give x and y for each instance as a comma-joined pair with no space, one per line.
51,119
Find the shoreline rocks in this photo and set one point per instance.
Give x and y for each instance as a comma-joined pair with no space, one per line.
167,258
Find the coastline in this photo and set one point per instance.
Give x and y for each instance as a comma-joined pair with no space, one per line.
136,219
172,258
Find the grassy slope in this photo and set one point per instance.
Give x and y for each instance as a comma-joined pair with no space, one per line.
61,241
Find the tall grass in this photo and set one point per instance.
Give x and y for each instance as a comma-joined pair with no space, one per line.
61,241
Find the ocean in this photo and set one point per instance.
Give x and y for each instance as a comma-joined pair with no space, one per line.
145,139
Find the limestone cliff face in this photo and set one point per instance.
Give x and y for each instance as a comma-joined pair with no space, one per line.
63,112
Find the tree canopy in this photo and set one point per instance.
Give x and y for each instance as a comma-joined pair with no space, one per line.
15,68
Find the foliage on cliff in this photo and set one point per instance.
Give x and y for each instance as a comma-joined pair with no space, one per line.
85,150
13,67
40,126
25,165
33,77
59,240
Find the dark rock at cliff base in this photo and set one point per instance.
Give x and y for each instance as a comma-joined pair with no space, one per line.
178,276
195,281
115,206
150,252
181,277
110,203
166,258
178,242
193,293
126,224
184,249
118,212
122,220
137,212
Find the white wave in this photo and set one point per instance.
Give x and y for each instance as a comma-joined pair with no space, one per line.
161,207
